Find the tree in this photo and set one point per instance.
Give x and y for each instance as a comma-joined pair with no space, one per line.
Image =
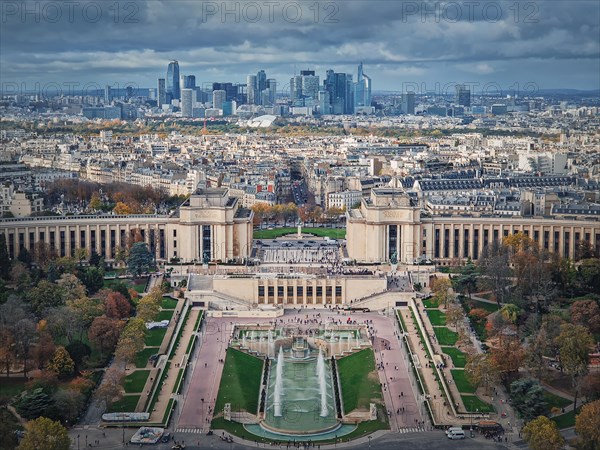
574,343
43,254
93,279
140,260
45,433
112,385
147,310
86,309
510,313
116,306
122,209
495,270
131,341
61,363
527,396
32,403
104,333
589,271
45,295
543,434
25,336
78,352
4,258
467,280
67,404
586,313
454,315
482,371
71,286
587,426
508,354
441,290
95,202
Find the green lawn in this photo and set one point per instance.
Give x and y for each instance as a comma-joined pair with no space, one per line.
127,404
566,420
334,233
137,284
445,336
168,303
463,385
430,303
135,381
437,317
458,358
359,381
240,382
141,359
154,337
475,404
555,401
489,307
165,314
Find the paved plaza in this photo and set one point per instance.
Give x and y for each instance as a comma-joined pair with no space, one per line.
404,408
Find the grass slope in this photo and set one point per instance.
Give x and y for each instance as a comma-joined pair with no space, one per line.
240,382
359,381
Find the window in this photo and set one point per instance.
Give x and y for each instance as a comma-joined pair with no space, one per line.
300,291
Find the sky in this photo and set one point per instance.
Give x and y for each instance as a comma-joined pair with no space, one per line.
404,45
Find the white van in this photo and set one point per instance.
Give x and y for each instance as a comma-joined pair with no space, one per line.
456,434
451,429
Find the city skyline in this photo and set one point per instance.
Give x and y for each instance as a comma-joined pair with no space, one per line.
408,42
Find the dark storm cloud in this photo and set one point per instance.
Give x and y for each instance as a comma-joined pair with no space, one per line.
552,43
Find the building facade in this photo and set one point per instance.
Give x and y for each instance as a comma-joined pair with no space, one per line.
389,223
211,225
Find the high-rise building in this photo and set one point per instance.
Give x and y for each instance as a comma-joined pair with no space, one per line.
173,87
251,89
310,84
463,95
324,102
161,93
188,98
107,94
407,105
272,89
189,82
341,92
261,82
362,94
219,97
296,90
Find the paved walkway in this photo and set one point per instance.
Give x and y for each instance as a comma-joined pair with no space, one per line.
440,412
177,362
154,372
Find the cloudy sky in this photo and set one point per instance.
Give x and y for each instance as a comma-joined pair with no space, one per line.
422,44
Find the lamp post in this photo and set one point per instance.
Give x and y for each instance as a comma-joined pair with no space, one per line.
77,442
370,437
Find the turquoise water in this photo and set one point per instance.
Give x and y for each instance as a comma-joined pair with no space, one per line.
301,399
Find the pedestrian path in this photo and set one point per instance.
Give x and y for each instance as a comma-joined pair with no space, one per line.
189,430
412,430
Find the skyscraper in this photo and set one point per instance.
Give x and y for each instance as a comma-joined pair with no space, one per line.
107,94
261,83
407,104
310,84
161,93
219,97
362,95
296,90
463,95
173,88
251,89
189,81
188,98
